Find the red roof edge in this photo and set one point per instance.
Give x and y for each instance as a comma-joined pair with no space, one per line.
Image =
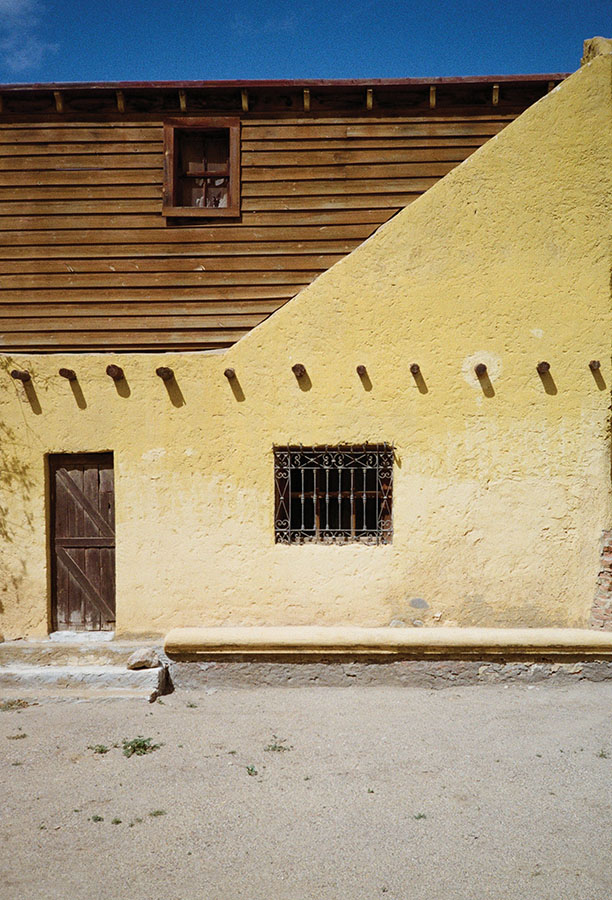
295,83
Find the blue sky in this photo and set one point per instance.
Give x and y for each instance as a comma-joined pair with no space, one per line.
133,40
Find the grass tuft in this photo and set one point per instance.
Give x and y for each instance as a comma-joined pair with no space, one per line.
139,746
277,745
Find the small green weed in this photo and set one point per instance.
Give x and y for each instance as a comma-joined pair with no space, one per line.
115,821
139,746
16,737
16,763
98,748
370,790
157,812
251,770
97,818
420,816
603,754
277,745
191,705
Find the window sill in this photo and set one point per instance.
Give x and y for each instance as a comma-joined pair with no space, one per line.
208,212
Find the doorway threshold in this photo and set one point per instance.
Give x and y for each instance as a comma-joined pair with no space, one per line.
68,637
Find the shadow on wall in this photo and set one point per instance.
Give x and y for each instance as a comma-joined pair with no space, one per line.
15,481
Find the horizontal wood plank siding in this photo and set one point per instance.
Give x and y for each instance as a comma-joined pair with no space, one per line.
87,261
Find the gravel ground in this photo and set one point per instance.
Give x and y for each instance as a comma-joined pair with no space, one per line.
495,792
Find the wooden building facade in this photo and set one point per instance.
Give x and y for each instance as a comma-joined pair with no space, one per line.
104,245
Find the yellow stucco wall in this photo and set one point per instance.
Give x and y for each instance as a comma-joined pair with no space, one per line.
499,500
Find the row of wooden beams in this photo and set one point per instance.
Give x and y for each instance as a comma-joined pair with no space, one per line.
60,105
299,370
182,95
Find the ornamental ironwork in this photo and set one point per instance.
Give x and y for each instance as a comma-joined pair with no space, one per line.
334,495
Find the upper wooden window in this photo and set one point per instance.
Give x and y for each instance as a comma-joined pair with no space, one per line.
202,167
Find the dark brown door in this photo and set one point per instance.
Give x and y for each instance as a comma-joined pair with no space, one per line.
83,541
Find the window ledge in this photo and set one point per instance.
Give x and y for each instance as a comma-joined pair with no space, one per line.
201,212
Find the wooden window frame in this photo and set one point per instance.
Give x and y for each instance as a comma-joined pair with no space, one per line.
212,123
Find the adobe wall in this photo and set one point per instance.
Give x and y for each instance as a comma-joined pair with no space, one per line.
502,487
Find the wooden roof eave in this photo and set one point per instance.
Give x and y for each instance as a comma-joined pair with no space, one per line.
314,96
332,84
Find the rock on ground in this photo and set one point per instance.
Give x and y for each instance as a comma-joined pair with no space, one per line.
146,658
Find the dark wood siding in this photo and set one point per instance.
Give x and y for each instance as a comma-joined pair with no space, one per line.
87,261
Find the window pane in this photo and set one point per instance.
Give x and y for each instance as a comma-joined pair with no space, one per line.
201,153
191,153
217,151
191,192
217,192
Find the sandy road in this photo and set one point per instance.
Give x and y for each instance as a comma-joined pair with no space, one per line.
476,792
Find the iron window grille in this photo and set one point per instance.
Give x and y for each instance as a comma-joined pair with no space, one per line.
333,494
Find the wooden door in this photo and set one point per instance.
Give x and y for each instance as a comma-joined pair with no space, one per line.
82,541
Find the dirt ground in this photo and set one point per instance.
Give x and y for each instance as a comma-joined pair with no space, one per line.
496,792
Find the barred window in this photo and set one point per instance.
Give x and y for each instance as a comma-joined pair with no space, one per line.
333,494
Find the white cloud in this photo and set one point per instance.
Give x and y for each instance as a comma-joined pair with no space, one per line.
21,47
19,13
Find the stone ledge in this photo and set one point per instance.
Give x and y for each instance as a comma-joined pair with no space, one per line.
79,666
309,641
70,679
219,674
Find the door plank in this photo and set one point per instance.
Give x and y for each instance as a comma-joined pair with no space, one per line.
76,572
107,572
91,613
81,500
